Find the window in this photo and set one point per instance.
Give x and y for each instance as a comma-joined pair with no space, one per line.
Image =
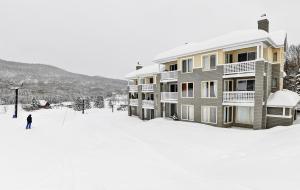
173,88
275,57
279,112
209,89
248,56
209,62
229,58
228,85
209,114
151,80
244,115
187,65
187,112
173,67
187,90
228,114
246,85
274,82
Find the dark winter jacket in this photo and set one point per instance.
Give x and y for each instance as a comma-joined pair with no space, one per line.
29,119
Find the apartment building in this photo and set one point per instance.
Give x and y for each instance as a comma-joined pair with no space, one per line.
225,81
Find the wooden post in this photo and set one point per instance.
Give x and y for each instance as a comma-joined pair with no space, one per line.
82,106
16,103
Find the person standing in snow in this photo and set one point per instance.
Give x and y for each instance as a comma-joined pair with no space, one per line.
29,121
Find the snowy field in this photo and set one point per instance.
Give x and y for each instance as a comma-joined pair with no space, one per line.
101,150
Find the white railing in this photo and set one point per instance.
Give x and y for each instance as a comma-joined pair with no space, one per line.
169,76
133,102
148,103
133,88
240,67
238,96
169,96
147,87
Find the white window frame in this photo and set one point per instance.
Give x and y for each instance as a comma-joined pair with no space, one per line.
202,93
187,58
209,54
249,123
283,112
187,89
202,107
190,106
174,66
227,108
225,85
246,79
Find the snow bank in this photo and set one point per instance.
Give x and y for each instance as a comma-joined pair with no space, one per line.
283,98
227,40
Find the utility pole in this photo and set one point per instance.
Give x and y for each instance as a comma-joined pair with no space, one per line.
82,106
16,103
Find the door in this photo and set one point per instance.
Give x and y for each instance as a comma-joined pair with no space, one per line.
173,109
173,88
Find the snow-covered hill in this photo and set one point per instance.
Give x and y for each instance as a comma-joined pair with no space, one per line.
103,150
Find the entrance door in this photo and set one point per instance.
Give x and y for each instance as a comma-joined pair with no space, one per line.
173,88
173,109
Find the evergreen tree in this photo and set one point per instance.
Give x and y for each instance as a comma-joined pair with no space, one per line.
77,105
99,102
34,103
87,103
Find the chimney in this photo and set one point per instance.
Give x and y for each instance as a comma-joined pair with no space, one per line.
138,66
263,23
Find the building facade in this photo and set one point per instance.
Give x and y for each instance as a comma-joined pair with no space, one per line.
222,82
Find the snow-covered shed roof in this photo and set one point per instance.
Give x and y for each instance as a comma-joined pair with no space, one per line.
283,98
232,39
145,71
42,102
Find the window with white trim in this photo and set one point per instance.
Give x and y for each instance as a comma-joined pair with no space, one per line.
247,56
187,112
173,67
228,114
209,62
187,65
279,111
245,85
274,82
244,115
187,90
228,85
209,89
209,114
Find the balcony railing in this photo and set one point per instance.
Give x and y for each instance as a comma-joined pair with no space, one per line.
169,96
147,87
239,68
238,97
148,103
133,102
133,88
169,76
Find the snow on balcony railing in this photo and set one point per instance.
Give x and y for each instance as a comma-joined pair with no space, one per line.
133,88
240,67
133,102
238,97
169,76
147,87
169,96
148,103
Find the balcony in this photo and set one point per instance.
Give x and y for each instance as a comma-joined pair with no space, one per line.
133,88
147,87
148,104
171,97
239,69
169,76
133,102
238,97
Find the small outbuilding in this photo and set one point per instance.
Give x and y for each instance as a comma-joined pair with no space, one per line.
44,104
282,108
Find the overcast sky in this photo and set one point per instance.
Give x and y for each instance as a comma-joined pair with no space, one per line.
108,37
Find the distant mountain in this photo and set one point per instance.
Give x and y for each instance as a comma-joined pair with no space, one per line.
49,82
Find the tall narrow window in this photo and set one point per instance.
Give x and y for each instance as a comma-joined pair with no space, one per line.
229,58
187,90
209,62
187,65
228,85
209,89
228,114
275,57
209,114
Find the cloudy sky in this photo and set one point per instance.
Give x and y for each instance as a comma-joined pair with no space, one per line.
108,37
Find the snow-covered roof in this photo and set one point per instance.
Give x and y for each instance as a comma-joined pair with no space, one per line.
42,102
145,71
232,39
283,98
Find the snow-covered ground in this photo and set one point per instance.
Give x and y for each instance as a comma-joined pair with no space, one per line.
101,150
